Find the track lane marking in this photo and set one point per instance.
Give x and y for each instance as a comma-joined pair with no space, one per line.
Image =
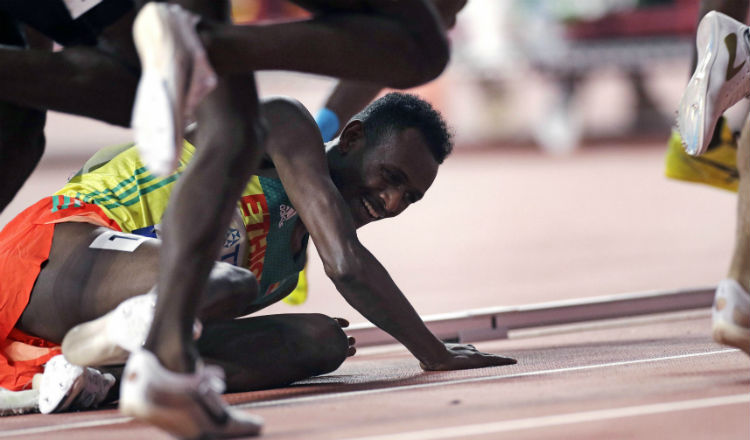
462,431
65,426
307,399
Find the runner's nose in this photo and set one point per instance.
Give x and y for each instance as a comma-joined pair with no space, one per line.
392,200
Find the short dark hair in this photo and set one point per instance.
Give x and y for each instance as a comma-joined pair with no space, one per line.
398,111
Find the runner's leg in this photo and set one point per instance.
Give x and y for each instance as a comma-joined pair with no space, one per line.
274,350
97,82
78,284
21,128
401,43
740,267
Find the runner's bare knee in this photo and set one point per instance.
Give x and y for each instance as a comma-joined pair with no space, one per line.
229,293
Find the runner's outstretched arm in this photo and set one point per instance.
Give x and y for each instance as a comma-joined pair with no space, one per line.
358,276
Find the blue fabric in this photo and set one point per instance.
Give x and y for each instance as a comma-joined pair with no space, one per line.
328,123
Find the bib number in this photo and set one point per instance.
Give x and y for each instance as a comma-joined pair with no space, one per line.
118,241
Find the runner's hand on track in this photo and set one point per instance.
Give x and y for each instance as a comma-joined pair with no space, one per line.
465,356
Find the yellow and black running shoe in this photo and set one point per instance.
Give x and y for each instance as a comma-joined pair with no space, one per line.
716,167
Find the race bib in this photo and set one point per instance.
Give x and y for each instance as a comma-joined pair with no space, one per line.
118,241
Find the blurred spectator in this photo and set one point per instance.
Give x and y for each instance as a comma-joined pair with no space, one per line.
568,40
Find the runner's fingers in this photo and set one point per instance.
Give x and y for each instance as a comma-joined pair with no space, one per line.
501,360
352,341
350,352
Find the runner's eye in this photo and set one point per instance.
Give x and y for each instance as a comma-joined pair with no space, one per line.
390,176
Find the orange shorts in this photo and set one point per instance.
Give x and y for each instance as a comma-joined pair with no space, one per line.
25,244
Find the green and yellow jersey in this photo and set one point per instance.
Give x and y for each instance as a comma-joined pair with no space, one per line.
258,238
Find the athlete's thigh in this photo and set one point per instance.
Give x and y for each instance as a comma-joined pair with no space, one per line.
90,270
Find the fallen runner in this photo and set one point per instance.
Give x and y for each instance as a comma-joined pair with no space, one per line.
94,249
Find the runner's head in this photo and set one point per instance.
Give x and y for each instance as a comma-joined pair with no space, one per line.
387,156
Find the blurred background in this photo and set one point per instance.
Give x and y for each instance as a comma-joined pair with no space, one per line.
561,111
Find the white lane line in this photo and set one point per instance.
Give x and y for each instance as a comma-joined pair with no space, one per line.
463,431
307,399
64,426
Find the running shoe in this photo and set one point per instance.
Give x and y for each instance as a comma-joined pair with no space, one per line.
175,76
185,405
716,167
65,386
720,80
20,402
731,315
108,340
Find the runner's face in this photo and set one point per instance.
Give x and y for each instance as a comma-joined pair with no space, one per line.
388,177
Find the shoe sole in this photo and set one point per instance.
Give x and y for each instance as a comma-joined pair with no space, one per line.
185,413
158,117
63,400
732,335
154,125
697,89
88,345
179,420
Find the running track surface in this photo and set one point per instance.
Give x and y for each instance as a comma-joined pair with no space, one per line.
507,228
652,377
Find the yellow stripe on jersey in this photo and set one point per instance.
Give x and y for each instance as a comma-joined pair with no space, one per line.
124,188
118,182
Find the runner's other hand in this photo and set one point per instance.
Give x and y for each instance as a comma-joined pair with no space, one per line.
465,356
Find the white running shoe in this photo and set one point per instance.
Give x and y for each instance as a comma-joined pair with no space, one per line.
175,76
185,405
731,315
108,340
66,386
720,80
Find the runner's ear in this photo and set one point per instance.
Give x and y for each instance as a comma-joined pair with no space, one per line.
352,137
